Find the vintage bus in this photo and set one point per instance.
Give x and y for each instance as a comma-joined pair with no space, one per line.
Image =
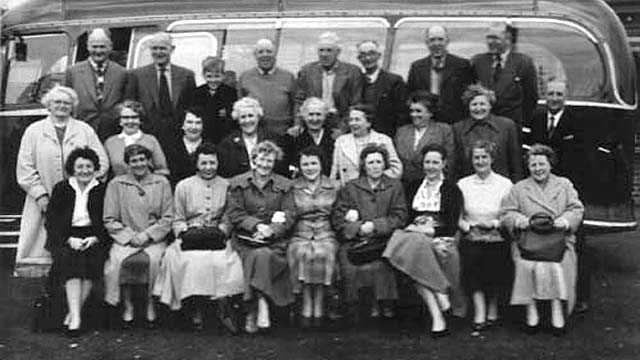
581,41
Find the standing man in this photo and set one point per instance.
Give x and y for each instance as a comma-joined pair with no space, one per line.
165,90
100,84
510,74
442,74
337,83
272,86
558,127
382,89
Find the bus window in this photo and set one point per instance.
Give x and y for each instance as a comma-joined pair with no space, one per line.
121,39
559,51
238,47
28,81
299,38
190,49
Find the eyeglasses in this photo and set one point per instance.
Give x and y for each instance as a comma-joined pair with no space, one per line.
62,102
129,117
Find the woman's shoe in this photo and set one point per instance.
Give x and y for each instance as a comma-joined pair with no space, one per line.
559,331
440,333
250,326
477,327
317,322
305,322
127,324
151,324
531,329
72,333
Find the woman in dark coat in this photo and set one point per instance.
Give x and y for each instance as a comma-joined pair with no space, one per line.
370,207
214,100
425,250
254,210
236,149
181,156
76,236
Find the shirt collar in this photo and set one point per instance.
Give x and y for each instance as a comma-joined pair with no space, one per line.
135,136
332,70
373,77
73,181
167,68
434,61
556,116
94,65
270,72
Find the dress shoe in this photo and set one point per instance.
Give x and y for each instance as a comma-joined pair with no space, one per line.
151,324
250,326
440,333
559,331
581,307
305,322
317,322
531,329
127,324
72,333
477,327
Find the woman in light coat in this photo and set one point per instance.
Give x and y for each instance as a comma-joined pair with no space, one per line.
44,148
138,210
346,154
543,192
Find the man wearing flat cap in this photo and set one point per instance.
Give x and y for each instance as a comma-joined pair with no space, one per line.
443,74
512,75
165,90
100,84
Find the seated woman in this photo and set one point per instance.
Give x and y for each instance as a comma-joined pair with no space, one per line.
254,209
237,148
214,99
131,114
536,280
346,154
312,248
138,210
425,249
314,116
410,139
484,252
192,268
76,236
182,156
370,207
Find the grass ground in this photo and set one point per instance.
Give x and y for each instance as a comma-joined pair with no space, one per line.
611,330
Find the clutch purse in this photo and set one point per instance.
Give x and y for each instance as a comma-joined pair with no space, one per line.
251,241
366,251
541,242
203,238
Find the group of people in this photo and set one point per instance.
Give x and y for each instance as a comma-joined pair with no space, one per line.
298,190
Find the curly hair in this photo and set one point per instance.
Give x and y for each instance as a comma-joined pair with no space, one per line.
474,90
81,153
267,147
246,103
373,149
543,150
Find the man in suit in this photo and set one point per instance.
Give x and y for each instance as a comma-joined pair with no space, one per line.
100,84
512,75
272,86
559,127
383,90
165,90
442,74
337,83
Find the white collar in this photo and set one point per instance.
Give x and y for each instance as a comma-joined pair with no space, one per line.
73,181
373,77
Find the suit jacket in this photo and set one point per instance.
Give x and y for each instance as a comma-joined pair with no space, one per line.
346,158
143,86
456,76
294,145
100,114
388,94
437,133
347,86
215,125
516,88
234,159
567,140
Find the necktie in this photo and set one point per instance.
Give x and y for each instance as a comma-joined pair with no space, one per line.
163,93
100,82
497,68
551,126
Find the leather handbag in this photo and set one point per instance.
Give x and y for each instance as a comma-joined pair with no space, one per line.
366,251
203,238
542,242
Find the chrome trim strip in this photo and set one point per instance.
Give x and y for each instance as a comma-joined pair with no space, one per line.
9,233
8,246
278,22
611,224
25,112
221,21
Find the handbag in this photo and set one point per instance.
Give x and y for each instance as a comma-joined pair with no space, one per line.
251,241
366,251
203,238
541,242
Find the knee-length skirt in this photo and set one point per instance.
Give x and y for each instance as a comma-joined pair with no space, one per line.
311,261
74,264
210,273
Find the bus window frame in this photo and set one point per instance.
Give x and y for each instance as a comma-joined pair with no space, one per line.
600,45
70,49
